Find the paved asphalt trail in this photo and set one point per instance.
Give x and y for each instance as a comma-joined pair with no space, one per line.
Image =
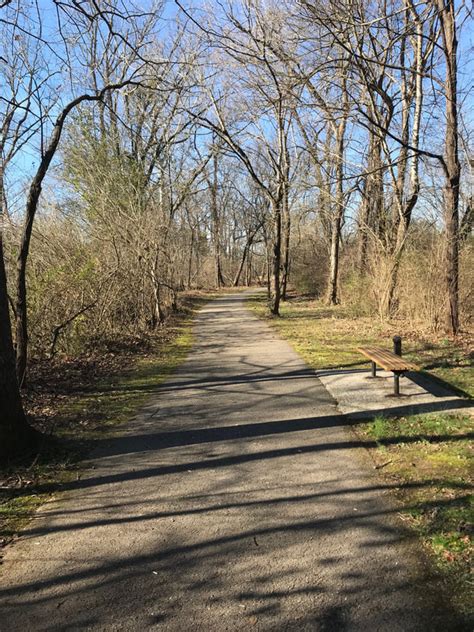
236,500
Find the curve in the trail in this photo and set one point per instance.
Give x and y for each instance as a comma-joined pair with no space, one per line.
236,500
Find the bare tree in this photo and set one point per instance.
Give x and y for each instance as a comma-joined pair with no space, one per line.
21,29
262,144
451,163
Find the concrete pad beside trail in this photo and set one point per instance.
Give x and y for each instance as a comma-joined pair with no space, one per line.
361,396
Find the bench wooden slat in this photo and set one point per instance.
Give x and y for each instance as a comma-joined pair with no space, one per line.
386,359
385,356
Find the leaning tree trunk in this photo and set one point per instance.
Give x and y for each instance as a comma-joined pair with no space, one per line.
15,433
30,212
241,267
243,259
21,341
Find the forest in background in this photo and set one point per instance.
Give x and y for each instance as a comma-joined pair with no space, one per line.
147,151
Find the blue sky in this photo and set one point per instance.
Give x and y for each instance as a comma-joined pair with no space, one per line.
27,161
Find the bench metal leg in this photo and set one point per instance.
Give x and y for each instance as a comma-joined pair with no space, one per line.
396,383
374,369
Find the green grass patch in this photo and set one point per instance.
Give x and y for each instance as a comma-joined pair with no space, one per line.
328,337
325,337
113,401
432,425
15,512
19,496
427,458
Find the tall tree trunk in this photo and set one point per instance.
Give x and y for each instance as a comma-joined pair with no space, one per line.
286,242
158,316
372,202
248,276
190,259
338,216
216,230
15,433
275,291
451,204
363,232
268,264
406,204
332,291
446,11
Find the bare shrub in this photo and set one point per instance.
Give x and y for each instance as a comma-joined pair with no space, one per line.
310,263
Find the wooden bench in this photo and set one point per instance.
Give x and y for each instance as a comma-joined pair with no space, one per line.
388,361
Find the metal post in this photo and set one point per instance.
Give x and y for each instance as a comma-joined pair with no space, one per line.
374,369
396,384
397,345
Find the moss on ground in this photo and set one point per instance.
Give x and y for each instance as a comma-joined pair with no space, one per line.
113,401
427,457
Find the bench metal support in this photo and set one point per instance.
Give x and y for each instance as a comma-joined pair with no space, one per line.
397,345
374,369
396,383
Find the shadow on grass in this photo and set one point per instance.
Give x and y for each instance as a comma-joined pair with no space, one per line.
153,443
436,385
